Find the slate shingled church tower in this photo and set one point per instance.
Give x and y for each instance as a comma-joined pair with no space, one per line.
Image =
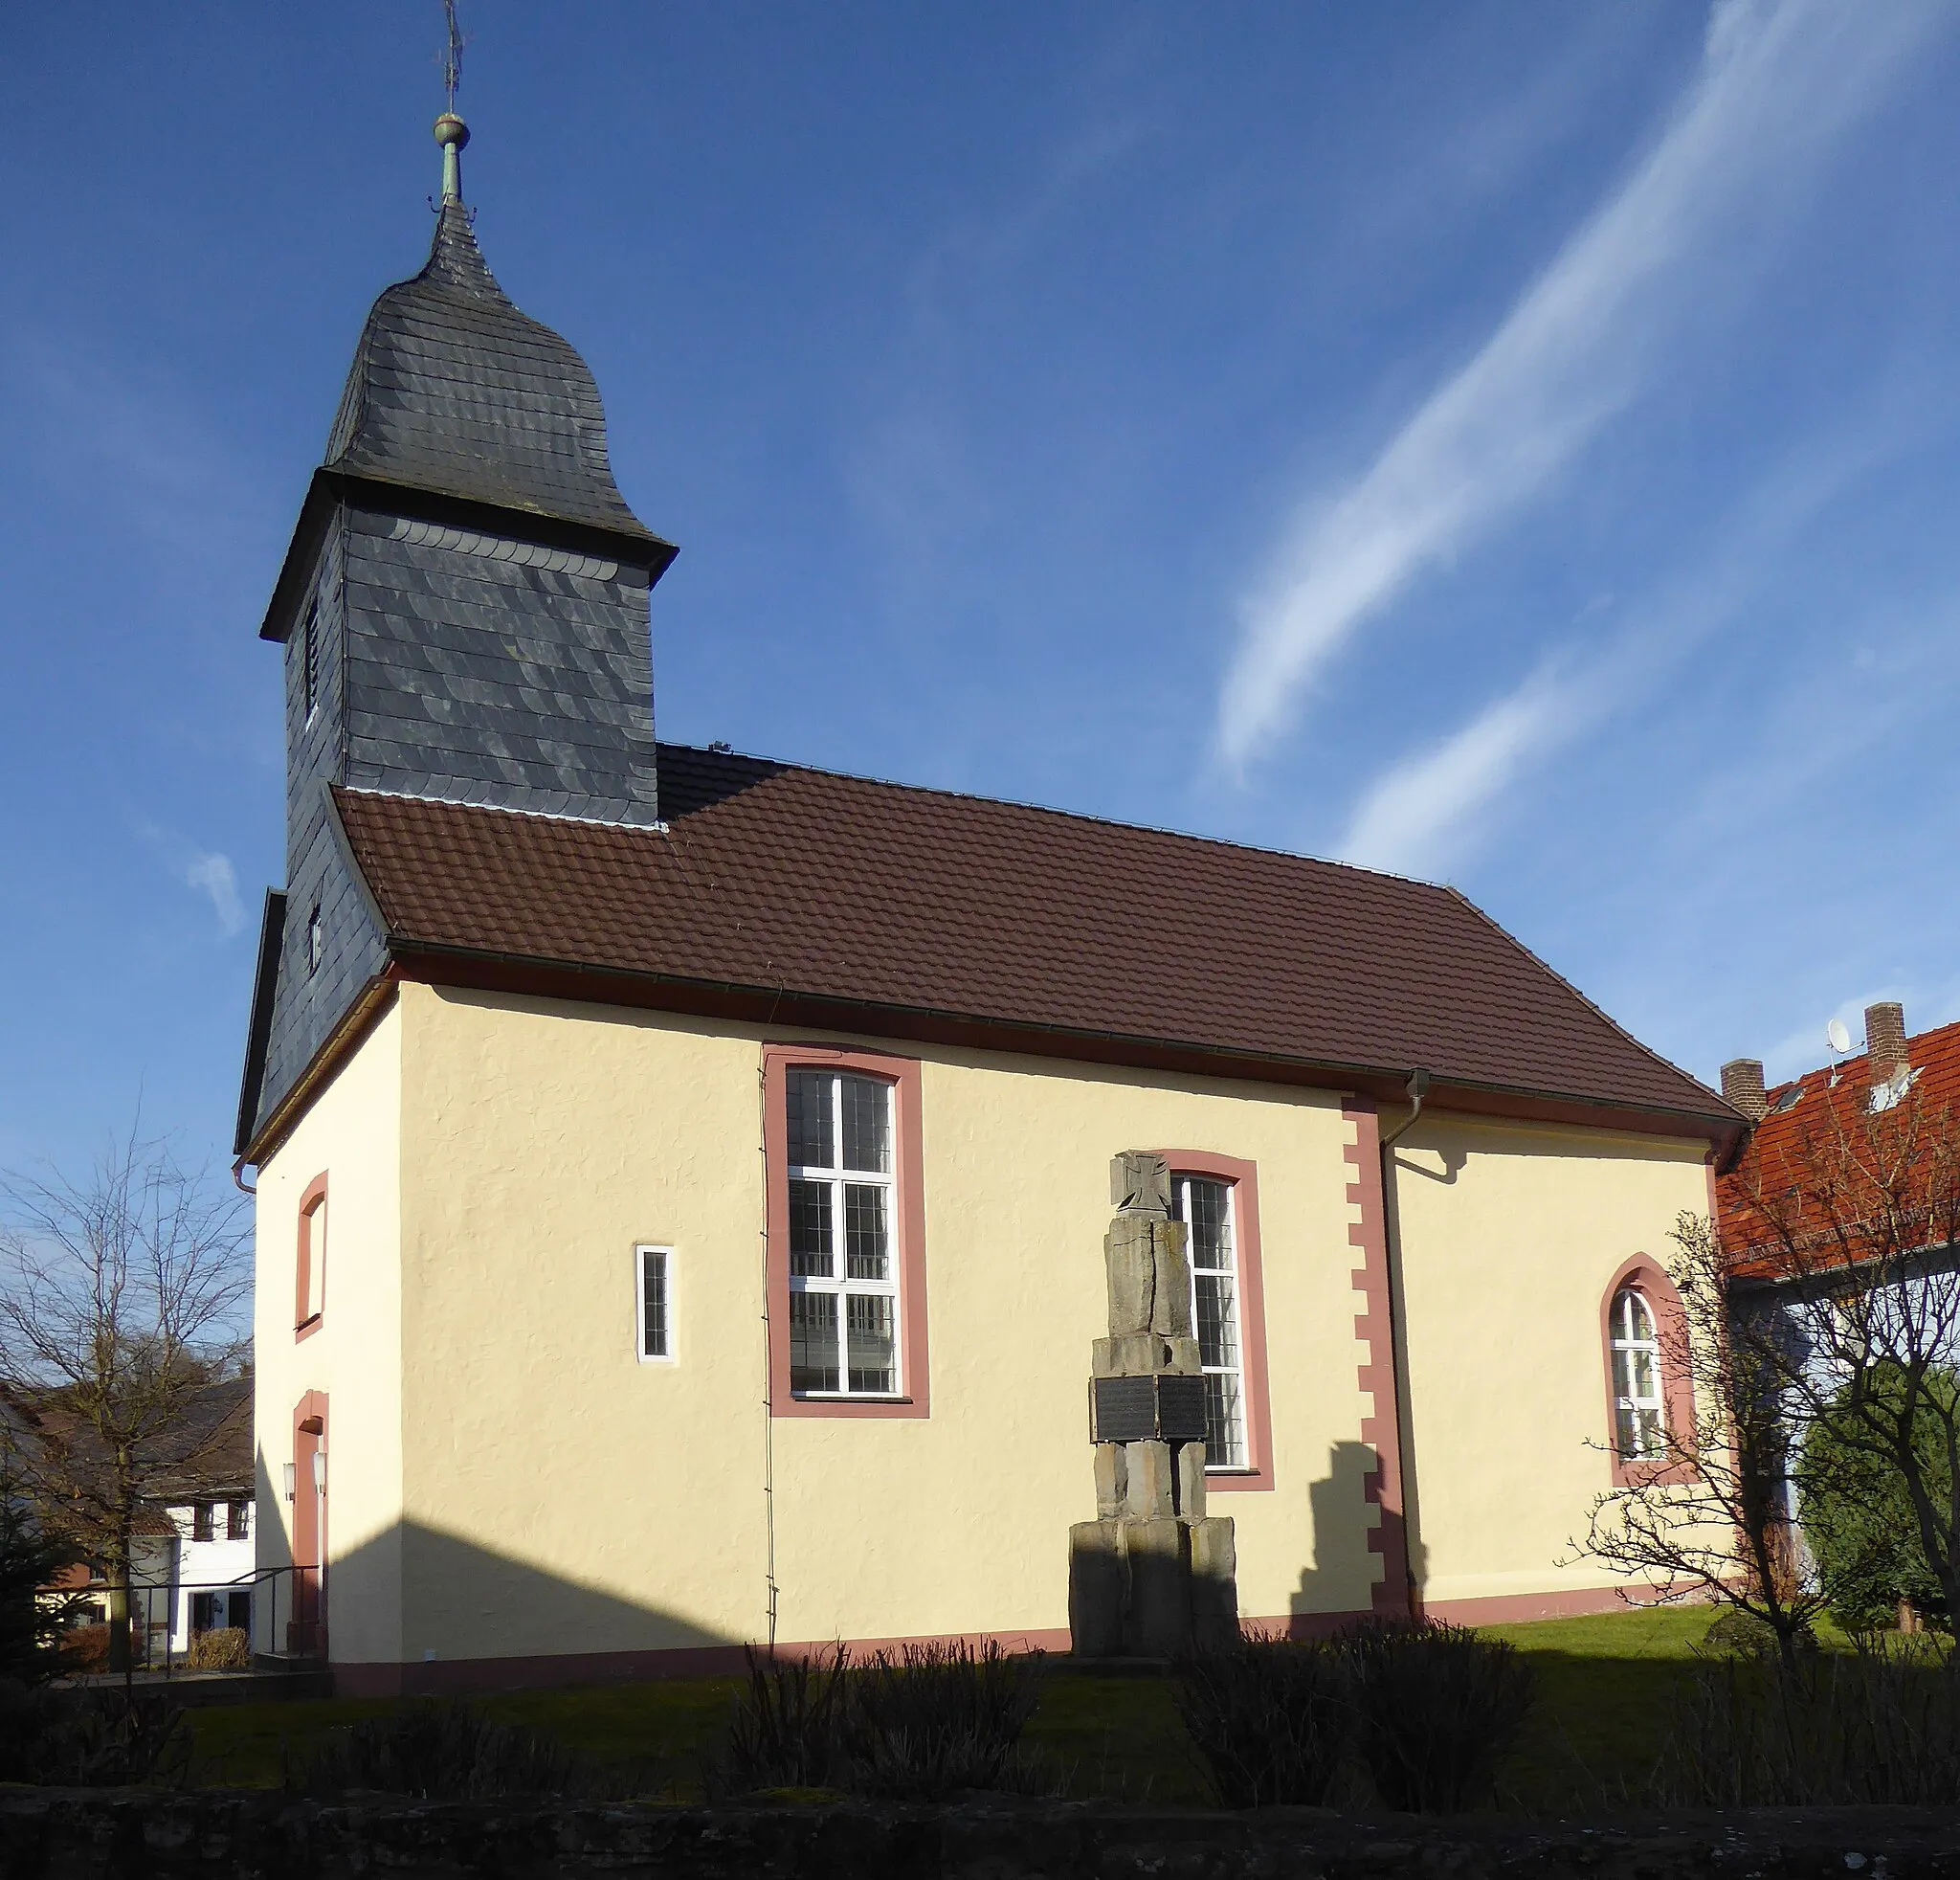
465,612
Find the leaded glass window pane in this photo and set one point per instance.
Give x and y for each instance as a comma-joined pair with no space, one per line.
869,1329
866,1247
810,1143
867,1124
1224,1420
654,1310
813,1341
810,1229
1217,1320
1211,1225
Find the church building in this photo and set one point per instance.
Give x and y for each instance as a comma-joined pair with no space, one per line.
685,1178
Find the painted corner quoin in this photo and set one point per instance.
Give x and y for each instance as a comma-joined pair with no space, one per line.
1375,1328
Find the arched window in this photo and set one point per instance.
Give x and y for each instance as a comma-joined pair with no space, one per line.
1639,1405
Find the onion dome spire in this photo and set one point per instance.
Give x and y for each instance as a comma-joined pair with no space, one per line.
452,390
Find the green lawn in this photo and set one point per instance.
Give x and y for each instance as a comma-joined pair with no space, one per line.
1604,1687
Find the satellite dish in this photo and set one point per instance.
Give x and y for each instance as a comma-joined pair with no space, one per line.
1841,1038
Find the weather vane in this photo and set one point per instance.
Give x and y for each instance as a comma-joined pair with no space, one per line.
451,132
452,56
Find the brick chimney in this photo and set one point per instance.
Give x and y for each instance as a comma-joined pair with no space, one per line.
1884,1040
1742,1083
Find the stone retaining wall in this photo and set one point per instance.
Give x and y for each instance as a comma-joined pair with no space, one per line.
67,1834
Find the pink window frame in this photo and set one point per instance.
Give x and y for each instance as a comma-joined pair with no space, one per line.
908,1183
1648,1278
306,1324
1244,1179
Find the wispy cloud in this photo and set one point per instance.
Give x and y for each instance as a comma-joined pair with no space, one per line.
1777,84
204,871
1411,819
1429,807
214,875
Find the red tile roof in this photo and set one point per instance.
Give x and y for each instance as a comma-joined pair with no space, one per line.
807,884
1782,1154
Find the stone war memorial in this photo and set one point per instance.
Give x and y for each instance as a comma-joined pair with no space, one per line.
1153,1576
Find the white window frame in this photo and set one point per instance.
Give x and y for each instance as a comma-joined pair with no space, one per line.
840,1286
1181,1210
1627,1403
640,1302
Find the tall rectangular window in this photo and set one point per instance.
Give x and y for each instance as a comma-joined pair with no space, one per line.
239,1520
843,1265
1205,1207
654,1311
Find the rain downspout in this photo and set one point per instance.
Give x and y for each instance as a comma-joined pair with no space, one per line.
1391,1244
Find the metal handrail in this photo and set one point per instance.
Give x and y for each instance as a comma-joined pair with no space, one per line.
305,1633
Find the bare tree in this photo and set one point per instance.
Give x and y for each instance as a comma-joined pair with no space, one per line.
122,1299
1845,1259
1703,1514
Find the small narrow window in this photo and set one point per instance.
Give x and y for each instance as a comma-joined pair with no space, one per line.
1639,1405
201,1521
310,1300
843,1265
1205,1207
239,1520
309,661
655,1301
316,941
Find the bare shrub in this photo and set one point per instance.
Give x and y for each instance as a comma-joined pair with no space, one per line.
1271,1718
1435,1707
1878,1725
96,1738
784,1733
932,1720
224,1648
917,1724
442,1750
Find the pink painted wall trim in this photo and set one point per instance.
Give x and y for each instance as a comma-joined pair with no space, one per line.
1500,1609
908,1172
1381,1431
1244,1177
1648,1277
306,1324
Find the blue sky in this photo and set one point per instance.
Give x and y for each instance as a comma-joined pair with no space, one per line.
1513,444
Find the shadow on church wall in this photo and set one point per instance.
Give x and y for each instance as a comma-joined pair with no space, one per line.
1343,1525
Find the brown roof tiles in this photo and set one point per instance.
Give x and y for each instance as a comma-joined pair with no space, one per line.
819,886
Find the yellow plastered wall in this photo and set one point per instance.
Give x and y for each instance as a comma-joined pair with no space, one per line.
351,1132
509,1479
563,1497
1509,1236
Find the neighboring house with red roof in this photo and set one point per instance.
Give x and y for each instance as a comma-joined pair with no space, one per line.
1789,1203
682,1177
1839,1217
